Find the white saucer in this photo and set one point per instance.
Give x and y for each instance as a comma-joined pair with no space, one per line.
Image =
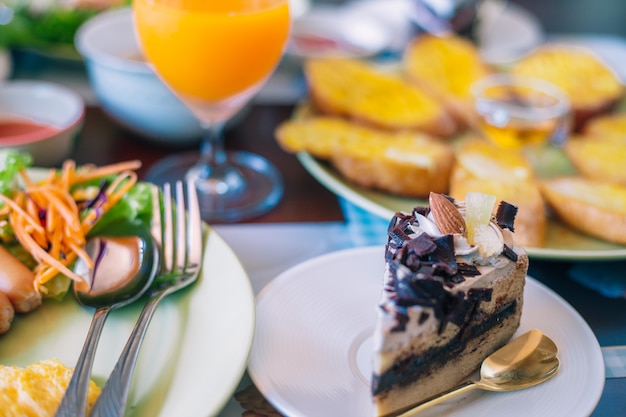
312,351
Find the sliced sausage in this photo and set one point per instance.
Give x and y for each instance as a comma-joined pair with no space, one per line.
17,283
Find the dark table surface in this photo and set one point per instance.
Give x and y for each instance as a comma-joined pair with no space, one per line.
305,200
103,141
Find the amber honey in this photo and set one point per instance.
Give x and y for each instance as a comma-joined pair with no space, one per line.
518,134
518,112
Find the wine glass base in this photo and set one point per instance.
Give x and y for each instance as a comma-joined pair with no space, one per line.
263,187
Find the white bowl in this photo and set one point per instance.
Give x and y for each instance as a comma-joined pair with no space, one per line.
59,109
127,87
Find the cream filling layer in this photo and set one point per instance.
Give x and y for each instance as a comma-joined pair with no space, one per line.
388,345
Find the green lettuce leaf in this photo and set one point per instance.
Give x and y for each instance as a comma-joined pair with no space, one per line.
11,162
45,26
133,211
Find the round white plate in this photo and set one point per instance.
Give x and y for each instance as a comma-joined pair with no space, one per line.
312,349
195,351
562,243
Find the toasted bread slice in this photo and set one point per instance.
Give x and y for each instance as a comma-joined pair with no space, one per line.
361,92
594,207
402,163
609,127
485,168
446,66
591,85
598,157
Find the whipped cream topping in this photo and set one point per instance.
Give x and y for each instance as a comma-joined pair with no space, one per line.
490,243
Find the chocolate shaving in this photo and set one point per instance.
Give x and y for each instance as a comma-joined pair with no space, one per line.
480,294
464,306
402,318
455,279
423,317
443,256
505,215
421,210
468,270
422,245
509,253
422,288
456,309
397,236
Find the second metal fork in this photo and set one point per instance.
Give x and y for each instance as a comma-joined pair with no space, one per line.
179,233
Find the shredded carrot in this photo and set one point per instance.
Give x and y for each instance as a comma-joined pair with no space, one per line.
47,221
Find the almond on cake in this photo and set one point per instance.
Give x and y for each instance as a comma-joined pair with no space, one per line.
359,91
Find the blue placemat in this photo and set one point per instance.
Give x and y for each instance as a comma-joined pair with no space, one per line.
365,229
607,278
615,361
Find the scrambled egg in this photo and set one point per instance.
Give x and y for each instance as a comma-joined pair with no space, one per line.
36,391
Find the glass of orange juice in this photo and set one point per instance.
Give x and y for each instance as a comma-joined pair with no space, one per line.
518,112
215,55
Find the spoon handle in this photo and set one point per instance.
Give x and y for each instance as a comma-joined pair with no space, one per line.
74,402
114,395
439,398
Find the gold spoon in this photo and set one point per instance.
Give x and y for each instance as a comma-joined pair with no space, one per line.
527,360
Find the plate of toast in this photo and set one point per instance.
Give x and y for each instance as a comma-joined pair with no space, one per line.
562,242
384,139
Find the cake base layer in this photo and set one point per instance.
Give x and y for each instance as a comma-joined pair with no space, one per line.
442,368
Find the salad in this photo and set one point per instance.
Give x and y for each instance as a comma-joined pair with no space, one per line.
49,24
45,223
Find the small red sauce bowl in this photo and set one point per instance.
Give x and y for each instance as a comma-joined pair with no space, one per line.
40,118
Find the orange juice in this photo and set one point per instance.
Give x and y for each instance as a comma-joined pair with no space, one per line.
213,50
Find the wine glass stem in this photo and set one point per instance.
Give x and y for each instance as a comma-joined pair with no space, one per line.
214,174
212,151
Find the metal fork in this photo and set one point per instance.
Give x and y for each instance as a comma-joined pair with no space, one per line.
179,232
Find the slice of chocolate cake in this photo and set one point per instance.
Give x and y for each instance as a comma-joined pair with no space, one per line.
452,294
